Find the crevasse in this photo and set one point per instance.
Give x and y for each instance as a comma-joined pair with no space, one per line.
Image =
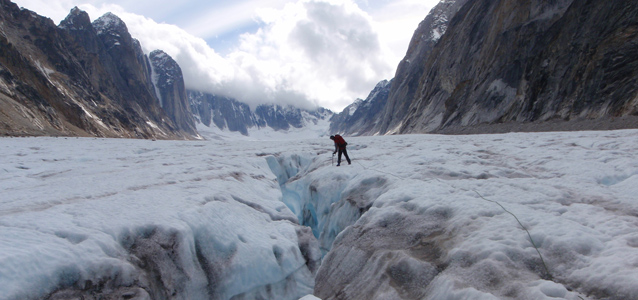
324,199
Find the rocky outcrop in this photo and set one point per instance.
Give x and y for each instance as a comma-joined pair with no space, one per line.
531,63
169,82
362,115
232,115
222,112
78,79
406,83
283,118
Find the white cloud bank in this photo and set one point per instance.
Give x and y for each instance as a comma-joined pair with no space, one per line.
309,53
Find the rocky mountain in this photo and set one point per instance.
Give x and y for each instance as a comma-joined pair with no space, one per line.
77,79
389,98
511,65
171,90
362,115
229,114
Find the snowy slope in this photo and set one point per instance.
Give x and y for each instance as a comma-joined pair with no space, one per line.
195,219
418,216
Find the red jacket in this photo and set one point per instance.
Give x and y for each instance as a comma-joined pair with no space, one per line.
340,142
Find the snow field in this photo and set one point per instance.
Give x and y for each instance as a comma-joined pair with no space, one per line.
77,213
557,184
413,217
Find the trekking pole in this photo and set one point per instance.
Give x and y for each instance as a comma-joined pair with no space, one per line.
332,161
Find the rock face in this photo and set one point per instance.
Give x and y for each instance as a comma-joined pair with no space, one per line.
230,114
223,112
410,70
169,81
533,63
78,79
390,99
362,115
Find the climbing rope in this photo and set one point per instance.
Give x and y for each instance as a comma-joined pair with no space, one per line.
522,226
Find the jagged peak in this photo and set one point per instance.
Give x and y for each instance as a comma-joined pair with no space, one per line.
350,109
160,55
76,19
161,59
109,22
382,84
76,11
158,52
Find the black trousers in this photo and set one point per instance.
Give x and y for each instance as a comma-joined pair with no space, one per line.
345,153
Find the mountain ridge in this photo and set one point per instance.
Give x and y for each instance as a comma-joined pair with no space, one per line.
502,66
77,79
229,114
83,78
405,83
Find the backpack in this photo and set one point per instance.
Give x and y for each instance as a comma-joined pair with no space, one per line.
340,141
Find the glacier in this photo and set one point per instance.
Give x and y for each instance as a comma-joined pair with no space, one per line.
506,216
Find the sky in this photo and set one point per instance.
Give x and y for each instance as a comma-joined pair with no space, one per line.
303,52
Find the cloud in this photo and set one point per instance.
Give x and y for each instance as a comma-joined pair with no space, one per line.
397,20
327,51
56,10
225,16
309,53
305,53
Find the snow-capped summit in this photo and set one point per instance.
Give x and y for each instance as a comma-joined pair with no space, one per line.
165,69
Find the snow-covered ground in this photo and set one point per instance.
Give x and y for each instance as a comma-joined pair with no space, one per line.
414,217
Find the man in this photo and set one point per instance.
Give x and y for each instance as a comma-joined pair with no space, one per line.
340,145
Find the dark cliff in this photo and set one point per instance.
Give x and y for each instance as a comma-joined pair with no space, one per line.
388,103
406,83
222,112
521,65
169,82
76,79
530,62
